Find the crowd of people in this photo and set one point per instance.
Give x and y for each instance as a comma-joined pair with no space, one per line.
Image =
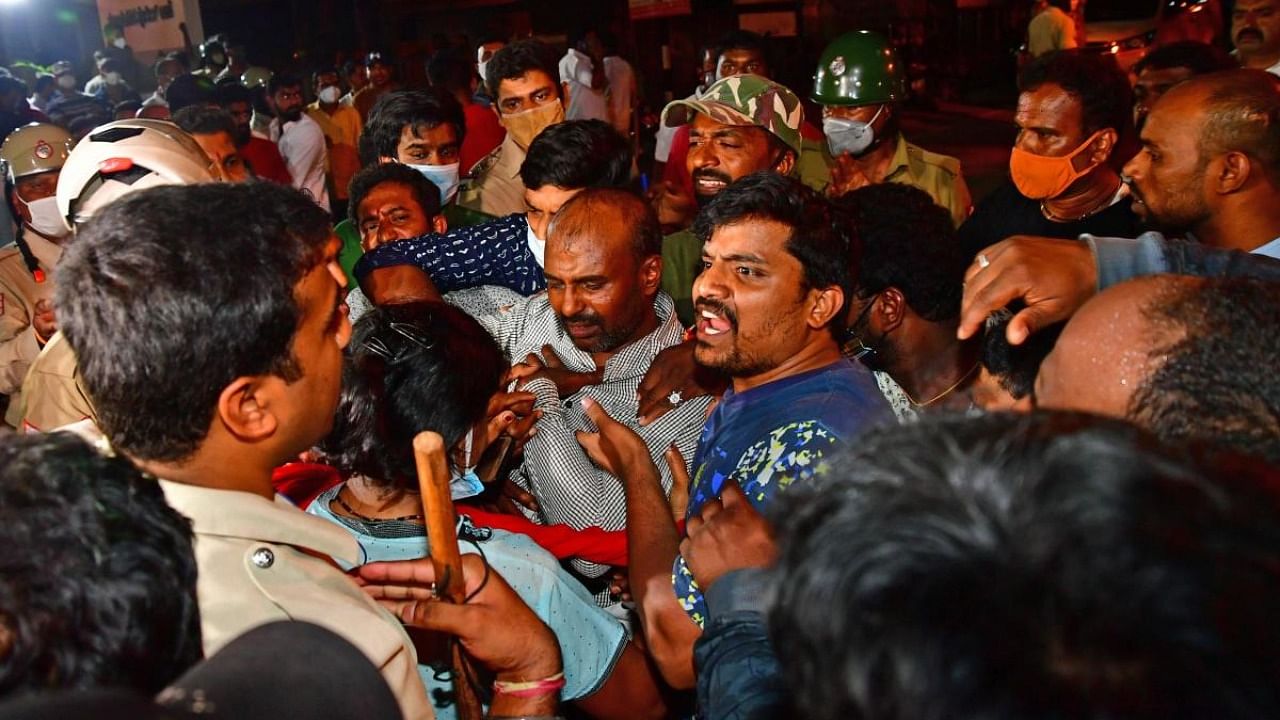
799,430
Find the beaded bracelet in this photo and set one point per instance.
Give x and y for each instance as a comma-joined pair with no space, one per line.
533,688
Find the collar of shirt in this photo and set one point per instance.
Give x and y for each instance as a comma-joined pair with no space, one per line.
510,159
543,328
903,161
231,513
1271,249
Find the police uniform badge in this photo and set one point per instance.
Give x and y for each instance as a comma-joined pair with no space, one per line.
43,150
837,65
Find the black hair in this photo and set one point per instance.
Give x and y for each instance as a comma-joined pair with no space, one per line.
518,58
204,120
577,154
743,40
109,64
324,70
129,106
394,111
98,580
822,236
1214,383
1200,58
43,82
198,313
908,242
158,67
581,215
1063,5
451,70
226,95
188,89
412,367
1044,566
280,81
1106,99
1015,366
363,182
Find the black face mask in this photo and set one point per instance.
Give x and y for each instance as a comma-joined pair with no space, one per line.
852,344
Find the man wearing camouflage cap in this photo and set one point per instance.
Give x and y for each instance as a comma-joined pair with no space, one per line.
860,83
31,159
740,125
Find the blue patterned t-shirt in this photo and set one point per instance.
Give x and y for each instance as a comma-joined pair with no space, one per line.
772,436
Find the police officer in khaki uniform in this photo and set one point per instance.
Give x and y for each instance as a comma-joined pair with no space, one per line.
31,160
52,395
860,83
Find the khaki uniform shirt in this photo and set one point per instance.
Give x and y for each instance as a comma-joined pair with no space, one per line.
681,263
53,394
19,293
496,188
260,561
1051,30
938,175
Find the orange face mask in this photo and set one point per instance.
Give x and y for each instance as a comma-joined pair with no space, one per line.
1040,177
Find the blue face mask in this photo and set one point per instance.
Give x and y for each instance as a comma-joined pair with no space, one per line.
465,484
444,177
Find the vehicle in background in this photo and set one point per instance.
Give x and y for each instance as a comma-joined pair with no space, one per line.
1129,28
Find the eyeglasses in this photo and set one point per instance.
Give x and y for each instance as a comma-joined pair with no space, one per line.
407,341
851,345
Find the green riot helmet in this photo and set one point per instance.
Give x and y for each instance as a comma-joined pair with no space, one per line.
859,68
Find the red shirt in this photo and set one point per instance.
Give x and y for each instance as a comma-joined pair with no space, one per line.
484,133
264,159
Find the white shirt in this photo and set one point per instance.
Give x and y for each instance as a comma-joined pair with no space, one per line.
1271,249
622,89
576,69
302,146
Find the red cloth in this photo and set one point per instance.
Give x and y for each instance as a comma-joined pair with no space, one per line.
264,159
303,482
676,170
484,133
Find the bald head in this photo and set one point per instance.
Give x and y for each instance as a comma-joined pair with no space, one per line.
1189,359
603,266
1240,111
608,215
1103,354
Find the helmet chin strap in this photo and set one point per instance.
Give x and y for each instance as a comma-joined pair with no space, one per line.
28,257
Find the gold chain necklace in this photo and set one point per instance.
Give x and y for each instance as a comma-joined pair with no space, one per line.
946,392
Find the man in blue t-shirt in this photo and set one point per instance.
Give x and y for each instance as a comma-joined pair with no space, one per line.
768,304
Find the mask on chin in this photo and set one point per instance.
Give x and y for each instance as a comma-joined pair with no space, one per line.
45,218
524,126
1040,177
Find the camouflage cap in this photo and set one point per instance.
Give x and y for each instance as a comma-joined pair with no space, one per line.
745,100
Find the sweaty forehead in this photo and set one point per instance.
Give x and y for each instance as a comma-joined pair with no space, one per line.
1050,106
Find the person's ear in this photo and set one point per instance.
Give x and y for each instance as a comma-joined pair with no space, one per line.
1102,146
826,304
892,309
1231,172
245,408
439,225
786,163
651,275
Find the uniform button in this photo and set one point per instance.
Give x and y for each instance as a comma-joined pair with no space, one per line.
263,558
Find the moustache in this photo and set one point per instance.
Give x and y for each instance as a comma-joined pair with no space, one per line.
711,175
718,308
583,318
1250,32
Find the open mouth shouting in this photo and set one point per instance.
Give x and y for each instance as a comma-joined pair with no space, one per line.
709,182
714,319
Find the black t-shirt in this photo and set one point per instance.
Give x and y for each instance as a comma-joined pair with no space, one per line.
1007,212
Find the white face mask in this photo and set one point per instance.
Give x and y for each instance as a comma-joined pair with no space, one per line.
66,82
112,78
45,218
119,42
849,136
329,94
444,177
538,247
